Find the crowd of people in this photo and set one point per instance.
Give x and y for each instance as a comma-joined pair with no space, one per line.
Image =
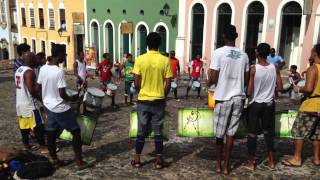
41,87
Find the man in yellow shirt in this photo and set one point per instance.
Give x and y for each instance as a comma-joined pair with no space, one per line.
307,125
152,81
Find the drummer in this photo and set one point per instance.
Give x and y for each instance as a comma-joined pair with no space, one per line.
175,71
128,78
197,71
106,75
80,72
296,77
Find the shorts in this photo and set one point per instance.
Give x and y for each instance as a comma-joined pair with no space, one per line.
106,82
59,121
31,122
227,116
127,86
117,73
150,117
306,125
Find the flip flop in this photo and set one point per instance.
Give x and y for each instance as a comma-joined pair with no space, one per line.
161,165
248,168
286,162
136,164
316,164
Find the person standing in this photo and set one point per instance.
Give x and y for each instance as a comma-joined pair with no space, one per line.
28,112
128,78
196,71
21,48
80,72
52,83
175,65
264,80
307,125
152,81
275,59
229,71
106,75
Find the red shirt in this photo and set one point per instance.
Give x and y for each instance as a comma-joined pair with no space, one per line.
105,70
196,67
174,64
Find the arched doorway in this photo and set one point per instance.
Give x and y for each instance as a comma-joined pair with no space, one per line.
223,18
163,34
108,39
290,32
197,24
95,39
254,29
142,40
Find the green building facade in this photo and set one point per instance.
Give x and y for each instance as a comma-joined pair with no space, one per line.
121,26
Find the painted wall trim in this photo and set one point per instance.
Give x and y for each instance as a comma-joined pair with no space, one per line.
136,35
104,37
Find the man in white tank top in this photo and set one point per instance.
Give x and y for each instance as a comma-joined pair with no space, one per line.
264,80
29,116
80,72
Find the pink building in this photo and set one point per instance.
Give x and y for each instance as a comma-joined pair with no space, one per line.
290,26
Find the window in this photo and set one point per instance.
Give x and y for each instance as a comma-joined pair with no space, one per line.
43,46
3,17
41,18
62,13
51,19
32,20
34,48
23,17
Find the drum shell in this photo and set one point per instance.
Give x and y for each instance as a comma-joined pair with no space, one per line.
92,100
195,85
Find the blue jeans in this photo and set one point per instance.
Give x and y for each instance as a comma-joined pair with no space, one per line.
64,120
150,117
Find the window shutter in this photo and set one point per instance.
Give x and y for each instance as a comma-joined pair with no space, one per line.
51,19
32,20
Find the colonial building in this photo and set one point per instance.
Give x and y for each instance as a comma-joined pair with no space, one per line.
9,37
290,26
121,26
44,22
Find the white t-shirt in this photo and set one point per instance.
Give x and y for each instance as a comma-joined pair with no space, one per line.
52,78
265,80
232,63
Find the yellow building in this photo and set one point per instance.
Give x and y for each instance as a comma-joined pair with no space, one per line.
44,22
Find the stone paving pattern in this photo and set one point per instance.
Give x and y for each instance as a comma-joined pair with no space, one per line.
191,158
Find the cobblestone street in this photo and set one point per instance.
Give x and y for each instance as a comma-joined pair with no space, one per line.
191,158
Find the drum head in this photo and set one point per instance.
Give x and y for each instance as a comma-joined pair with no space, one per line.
301,83
286,86
174,85
71,92
95,92
196,84
112,87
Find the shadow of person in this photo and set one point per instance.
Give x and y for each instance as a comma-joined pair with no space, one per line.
108,150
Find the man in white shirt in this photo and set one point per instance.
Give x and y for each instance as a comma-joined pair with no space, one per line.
80,72
28,112
265,79
59,114
229,70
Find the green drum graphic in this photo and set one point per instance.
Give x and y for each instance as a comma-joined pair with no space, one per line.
87,126
284,123
134,126
198,122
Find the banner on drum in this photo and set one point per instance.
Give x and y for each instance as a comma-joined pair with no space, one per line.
284,123
198,122
87,126
134,126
